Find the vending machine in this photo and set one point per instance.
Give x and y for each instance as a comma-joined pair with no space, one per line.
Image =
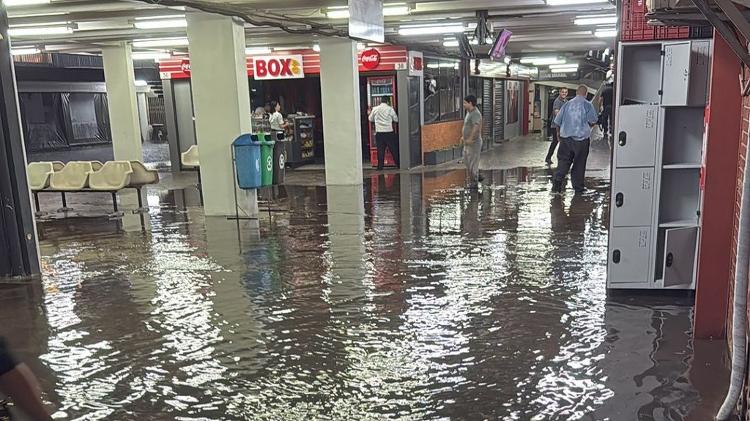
379,87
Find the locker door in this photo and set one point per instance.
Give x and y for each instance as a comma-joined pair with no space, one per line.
632,197
679,256
629,254
636,137
675,73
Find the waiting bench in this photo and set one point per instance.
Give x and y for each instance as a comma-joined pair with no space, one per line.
89,176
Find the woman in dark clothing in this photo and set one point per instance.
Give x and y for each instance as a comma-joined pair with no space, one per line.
18,382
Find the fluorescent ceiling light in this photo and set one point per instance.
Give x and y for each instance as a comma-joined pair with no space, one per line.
567,2
26,31
257,50
158,24
565,70
141,83
506,60
161,42
431,30
316,48
450,43
24,51
13,3
394,9
542,61
606,33
595,20
294,47
563,66
151,55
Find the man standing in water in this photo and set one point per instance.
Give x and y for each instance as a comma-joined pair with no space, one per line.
574,122
472,140
18,382
562,97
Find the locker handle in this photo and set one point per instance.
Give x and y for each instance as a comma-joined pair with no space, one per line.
619,200
616,256
670,260
623,138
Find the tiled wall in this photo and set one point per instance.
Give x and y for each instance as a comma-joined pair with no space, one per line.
437,136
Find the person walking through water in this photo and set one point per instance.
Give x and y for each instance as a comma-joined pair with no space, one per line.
18,382
562,97
574,122
383,115
472,140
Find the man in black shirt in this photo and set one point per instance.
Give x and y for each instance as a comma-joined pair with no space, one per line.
18,382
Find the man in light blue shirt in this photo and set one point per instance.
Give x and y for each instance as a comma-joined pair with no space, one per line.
574,122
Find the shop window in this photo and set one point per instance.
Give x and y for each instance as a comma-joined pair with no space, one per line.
442,91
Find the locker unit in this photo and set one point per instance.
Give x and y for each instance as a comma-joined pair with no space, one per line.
658,154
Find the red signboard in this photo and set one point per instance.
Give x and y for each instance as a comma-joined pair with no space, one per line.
185,66
278,67
370,59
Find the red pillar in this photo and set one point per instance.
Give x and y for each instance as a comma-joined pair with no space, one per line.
721,156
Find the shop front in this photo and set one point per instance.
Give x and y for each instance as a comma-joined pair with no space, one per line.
504,105
292,78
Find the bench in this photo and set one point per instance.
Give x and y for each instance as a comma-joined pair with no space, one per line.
191,159
89,176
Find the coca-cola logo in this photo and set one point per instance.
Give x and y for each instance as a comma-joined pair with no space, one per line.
185,66
370,58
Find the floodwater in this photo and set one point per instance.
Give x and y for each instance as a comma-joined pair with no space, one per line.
413,299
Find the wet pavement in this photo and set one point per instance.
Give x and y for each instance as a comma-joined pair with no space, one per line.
409,299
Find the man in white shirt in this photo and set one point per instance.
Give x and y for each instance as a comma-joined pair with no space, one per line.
384,116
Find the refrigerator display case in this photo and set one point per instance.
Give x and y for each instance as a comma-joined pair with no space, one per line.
300,140
378,88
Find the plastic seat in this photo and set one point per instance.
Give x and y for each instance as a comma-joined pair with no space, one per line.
190,157
113,176
96,165
73,177
58,165
39,174
142,175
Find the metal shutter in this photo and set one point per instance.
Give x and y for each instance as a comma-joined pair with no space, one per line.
499,112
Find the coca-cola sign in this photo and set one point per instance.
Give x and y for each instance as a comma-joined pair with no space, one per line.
185,66
370,59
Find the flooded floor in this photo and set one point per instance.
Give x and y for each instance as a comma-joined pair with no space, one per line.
409,299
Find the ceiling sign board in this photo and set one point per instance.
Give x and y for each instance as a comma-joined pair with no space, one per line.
366,20
278,67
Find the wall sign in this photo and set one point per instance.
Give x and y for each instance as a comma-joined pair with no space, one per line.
370,58
278,67
185,66
416,63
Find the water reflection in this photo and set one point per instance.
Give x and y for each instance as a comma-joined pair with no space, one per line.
409,299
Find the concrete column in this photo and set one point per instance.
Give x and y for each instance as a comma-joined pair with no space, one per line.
123,111
342,134
221,101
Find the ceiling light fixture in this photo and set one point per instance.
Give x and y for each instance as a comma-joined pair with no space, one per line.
141,83
563,66
24,51
316,48
569,2
158,24
605,33
15,3
596,20
160,42
450,43
542,61
257,50
431,29
26,31
506,60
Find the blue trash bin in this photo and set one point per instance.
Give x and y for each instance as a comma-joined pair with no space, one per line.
247,161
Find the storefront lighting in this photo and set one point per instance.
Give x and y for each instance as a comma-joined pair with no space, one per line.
14,3
569,2
160,23
605,33
24,51
151,55
161,42
26,31
391,9
595,20
257,50
431,30
292,48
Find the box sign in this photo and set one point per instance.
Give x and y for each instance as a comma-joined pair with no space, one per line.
370,59
278,67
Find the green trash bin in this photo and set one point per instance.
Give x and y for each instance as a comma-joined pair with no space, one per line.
266,159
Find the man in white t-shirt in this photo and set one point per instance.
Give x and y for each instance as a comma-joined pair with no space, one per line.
384,116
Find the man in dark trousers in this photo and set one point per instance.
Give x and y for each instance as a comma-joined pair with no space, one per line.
562,97
384,116
18,382
574,122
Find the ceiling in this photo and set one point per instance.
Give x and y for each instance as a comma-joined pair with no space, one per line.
537,27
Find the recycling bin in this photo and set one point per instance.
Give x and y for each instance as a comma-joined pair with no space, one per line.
247,162
266,159
279,162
